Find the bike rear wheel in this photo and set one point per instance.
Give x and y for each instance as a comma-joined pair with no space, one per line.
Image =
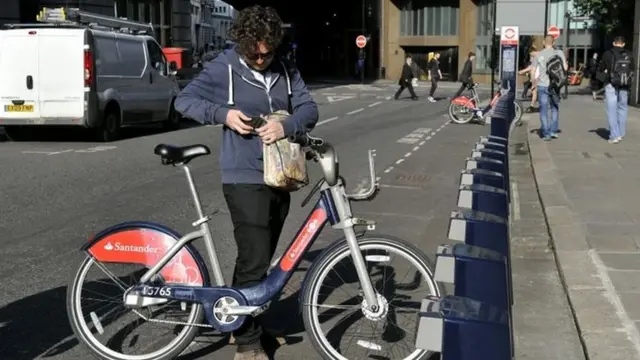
460,114
377,251
88,323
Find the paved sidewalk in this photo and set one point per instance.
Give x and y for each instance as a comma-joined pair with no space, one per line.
589,191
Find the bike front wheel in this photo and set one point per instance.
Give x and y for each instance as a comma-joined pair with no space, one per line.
400,291
460,114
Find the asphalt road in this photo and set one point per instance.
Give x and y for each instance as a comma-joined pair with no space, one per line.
55,194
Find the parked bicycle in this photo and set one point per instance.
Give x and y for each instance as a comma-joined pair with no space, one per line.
465,109
174,280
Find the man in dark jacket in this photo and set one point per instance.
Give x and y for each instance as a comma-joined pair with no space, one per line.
436,75
405,79
616,72
466,75
243,82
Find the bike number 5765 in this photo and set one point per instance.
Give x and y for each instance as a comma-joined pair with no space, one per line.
156,291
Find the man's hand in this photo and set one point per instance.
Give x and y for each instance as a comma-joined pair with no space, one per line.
271,132
236,121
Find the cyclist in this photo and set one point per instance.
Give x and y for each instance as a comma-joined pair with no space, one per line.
244,81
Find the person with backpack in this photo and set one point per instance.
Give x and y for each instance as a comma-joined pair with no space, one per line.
616,72
550,76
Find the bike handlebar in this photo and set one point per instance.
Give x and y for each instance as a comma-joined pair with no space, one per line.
323,152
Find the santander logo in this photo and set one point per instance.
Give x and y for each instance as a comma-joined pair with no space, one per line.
131,248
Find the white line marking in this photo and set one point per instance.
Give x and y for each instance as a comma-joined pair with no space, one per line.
327,121
362,185
401,187
378,178
429,137
515,198
60,152
388,170
610,292
399,161
355,111
422,143
388,98
433,134
416,148
438,129
405,140
36,152
407,154
375,104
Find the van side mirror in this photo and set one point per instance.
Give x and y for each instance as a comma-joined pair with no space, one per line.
173,66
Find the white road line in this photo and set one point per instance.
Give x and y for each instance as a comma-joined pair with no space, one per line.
375,103
355,111
388,170
400,161
407,154
422,143
429,138
416,148
327,121
388,98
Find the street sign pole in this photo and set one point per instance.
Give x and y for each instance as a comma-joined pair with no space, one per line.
361,43
509,41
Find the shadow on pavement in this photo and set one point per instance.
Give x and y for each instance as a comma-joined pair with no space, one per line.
602,132
78,135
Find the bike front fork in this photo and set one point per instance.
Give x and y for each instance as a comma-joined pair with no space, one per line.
370,295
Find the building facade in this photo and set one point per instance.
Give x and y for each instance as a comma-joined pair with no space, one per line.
171,18
202,30
456,27
223,16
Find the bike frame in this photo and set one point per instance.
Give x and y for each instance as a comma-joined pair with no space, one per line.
332,207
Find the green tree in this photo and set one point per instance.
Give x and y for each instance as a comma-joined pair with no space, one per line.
612,16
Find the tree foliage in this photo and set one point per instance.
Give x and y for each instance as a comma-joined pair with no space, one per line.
612,16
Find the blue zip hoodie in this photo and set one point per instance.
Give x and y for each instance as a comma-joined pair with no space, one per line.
224,84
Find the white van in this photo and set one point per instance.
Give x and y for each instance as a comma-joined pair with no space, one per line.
66,76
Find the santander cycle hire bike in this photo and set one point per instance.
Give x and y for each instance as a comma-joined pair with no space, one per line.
172,289
463,109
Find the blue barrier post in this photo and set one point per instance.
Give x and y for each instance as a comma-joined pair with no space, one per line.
491,154
491,145
477,273
481,229
485,164
464,329
484,198
481,176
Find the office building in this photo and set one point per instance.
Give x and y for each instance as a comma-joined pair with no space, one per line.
223,16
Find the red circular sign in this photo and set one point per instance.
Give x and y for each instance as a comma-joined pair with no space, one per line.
553,31
361,41
509,33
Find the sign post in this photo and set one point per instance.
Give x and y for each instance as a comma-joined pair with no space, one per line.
361,42
505,111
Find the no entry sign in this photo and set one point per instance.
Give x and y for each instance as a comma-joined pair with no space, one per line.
361,41
554,31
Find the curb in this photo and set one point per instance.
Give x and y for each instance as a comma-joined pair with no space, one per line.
604,329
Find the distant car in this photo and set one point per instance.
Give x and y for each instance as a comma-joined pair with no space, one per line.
82,77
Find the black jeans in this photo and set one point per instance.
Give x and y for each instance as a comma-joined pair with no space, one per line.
258,213
460,90
434,85
406,85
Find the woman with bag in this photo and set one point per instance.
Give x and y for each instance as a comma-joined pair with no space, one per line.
242,84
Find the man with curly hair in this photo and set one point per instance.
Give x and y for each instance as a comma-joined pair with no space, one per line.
247,81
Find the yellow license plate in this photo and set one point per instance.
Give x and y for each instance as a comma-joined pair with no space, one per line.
18,108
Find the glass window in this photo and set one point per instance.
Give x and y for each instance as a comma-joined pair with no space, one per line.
453,24
445,20
417,18
438,21
156,57
106,51
132,54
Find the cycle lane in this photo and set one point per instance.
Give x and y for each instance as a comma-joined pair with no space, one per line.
131,184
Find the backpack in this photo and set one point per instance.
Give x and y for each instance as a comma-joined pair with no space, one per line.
621,70
556,71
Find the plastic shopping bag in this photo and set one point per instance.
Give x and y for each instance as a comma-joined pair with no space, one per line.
285,165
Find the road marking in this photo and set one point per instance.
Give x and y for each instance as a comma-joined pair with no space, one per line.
375,104
96,149
411,138
333,99
60,152
388,170
400,161
388,98
355,111
414,136
327,121
401,187
409,154
416,148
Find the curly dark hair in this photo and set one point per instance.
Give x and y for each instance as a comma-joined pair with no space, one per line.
255,24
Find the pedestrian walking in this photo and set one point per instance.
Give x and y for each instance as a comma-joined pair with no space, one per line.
245,81
436,75
616,72
531,81
550,75
405,79
466,75
595,85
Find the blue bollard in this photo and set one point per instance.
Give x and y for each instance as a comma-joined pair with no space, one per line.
481,229
486,164
491,145
490,153
481,176
484,198
476,273
464,329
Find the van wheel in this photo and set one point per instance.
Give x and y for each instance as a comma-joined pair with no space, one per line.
173,121
110,129
16,133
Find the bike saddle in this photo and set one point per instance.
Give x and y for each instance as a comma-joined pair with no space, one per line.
172,154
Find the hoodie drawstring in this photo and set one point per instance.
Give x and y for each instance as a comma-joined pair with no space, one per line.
231,102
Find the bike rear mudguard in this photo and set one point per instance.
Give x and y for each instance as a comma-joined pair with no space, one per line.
464,101
144,243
